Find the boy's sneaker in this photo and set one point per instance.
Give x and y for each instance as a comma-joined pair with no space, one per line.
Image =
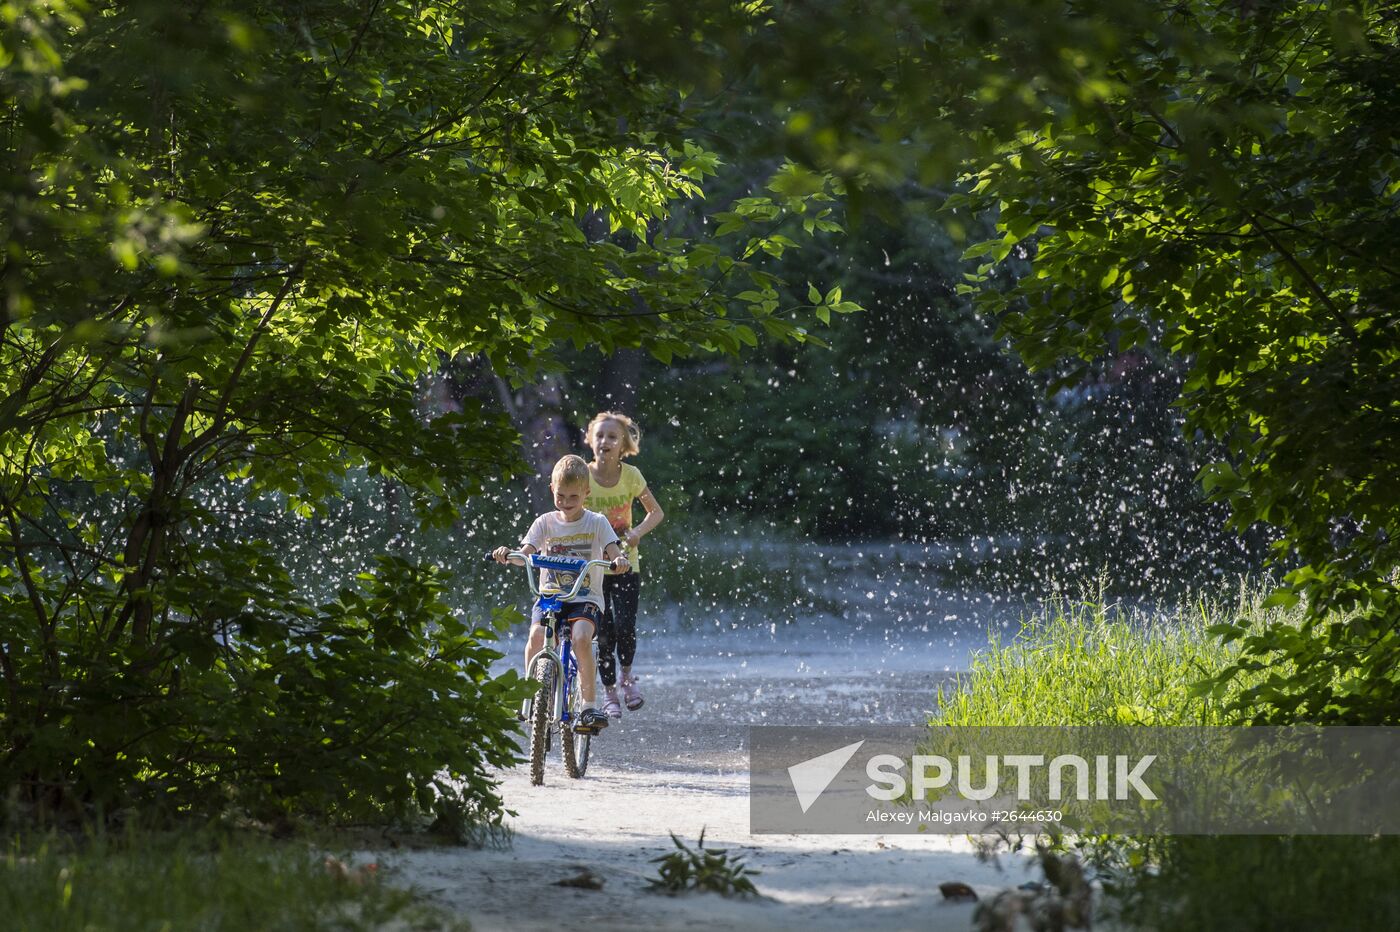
631,694
611,707
591,721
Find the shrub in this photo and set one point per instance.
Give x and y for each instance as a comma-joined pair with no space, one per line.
375,705
1088,662
705,869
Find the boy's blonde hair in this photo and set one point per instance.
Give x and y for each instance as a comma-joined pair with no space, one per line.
570,471
631,433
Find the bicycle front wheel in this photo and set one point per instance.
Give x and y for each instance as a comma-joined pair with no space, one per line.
573,744
542,672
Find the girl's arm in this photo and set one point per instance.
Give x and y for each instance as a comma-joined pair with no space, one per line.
654,517
620,563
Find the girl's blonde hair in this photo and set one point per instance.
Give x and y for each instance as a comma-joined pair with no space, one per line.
631,433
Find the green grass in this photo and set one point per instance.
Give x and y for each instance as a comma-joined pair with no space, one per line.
160,881
1305,882
1088,662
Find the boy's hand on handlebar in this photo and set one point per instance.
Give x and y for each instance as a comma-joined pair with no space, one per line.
499,554
620,564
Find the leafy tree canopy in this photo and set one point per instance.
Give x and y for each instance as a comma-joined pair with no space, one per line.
238,237
1220,178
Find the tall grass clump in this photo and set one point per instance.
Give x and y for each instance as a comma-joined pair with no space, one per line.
1088,661
162,881
1266,882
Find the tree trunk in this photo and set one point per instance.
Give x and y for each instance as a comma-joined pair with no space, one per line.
537,411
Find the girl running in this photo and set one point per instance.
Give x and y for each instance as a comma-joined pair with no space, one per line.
614,487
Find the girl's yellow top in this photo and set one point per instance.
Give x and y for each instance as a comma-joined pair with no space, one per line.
615,503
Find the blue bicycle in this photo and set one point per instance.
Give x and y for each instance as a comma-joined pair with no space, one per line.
558,702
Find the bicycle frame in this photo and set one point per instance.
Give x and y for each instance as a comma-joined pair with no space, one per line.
563,660
558,650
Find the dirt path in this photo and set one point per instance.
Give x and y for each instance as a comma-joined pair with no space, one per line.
680,765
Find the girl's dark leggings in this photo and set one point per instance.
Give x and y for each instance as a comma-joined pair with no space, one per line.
618,632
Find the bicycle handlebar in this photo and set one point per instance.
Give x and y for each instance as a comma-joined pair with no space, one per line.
539,561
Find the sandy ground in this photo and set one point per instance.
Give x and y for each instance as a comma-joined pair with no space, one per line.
680,765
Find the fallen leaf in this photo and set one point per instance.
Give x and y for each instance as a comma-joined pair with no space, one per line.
585,879
957,891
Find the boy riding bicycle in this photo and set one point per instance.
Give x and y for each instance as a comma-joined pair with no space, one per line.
572,531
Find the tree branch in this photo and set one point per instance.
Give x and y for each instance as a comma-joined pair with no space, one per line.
220,414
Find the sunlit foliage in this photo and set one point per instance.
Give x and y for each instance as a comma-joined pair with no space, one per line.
1215,178
238,239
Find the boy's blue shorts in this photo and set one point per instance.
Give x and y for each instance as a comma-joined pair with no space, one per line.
571,612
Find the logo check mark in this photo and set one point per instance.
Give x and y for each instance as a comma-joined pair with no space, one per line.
811,777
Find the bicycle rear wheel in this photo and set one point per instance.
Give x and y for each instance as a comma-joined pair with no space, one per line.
573,744
542,672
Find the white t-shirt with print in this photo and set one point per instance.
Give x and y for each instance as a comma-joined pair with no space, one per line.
587,538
